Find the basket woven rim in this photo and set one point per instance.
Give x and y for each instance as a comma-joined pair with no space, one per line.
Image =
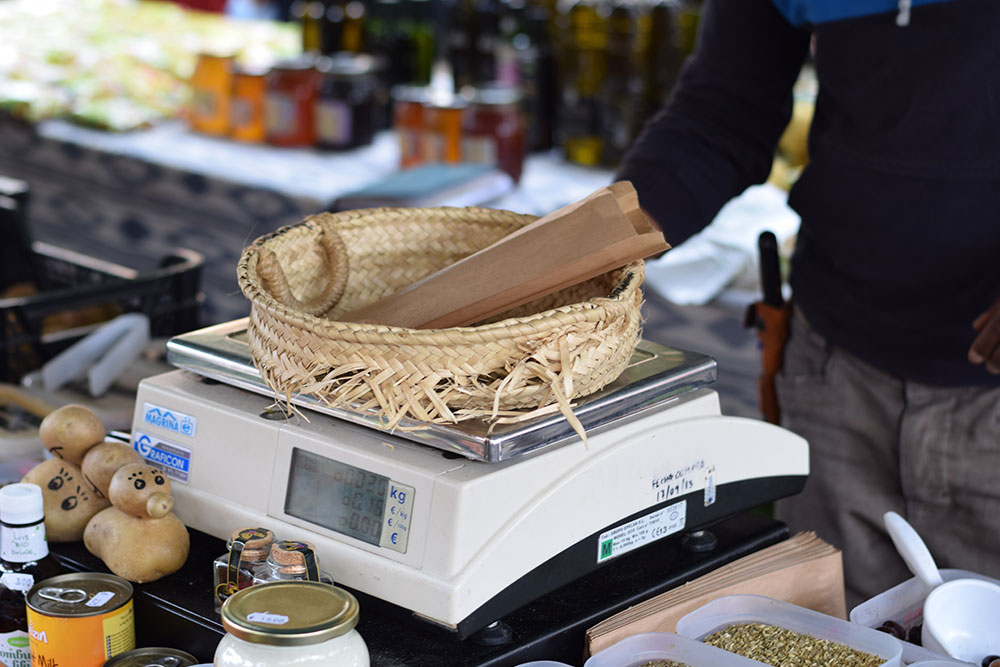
623,278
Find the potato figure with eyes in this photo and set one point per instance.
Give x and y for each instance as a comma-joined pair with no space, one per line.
69,501
138,537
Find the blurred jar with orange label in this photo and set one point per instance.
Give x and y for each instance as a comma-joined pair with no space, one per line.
443,131
408,123
247,121
211,94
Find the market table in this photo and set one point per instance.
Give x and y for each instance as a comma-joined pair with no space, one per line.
128,197
177,611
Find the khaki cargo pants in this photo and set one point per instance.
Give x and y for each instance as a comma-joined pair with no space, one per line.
879,443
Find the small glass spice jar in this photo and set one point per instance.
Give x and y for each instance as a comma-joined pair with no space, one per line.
211,92
290,102
245,558
247,106
300,623
346,102
291,560
493,128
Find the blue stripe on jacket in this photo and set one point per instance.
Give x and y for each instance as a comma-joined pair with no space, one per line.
813,12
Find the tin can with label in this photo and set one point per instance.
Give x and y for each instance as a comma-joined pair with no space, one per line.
153,657
80,619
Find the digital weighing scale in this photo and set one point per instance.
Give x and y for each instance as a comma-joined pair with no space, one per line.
455,524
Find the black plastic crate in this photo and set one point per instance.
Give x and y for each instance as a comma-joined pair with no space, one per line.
77,292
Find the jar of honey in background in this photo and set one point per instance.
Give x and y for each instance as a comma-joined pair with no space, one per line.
211,91
347,100
290,101
443,130
247,117
408,123
493,128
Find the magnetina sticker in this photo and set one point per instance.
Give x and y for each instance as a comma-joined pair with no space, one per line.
645,529
170,420
174,459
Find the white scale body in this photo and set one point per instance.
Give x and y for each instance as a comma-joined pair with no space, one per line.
444,534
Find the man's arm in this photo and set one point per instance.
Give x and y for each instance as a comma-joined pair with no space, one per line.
718,133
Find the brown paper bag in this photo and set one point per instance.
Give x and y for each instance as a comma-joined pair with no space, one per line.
601,232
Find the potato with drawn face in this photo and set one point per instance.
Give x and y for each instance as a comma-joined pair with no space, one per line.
103,460
139,538
141,490
68,432
69,502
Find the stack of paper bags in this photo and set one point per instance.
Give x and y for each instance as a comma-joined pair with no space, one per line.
583,240
803,570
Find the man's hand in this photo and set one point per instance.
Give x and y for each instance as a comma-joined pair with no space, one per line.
986,346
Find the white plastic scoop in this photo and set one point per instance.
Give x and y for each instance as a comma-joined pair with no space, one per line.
962,616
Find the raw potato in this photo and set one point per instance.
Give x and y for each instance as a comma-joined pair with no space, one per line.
130,543
141,490
139,550
68,432
69,502
102,461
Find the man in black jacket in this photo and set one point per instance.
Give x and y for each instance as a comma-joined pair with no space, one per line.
891,368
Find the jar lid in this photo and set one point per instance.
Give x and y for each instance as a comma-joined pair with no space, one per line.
252,538
409,93
21,504
290,552
347,64
299,64
254,69
491,95
290,613
152,657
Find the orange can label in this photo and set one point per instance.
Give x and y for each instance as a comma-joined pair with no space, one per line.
80,641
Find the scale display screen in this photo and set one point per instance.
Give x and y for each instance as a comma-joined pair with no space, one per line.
336,495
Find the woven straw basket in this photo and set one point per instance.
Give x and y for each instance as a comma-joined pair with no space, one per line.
530,360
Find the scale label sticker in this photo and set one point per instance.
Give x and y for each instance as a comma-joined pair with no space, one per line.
16,581
645,529
173,458
709,486
265,617
170,420
677,482
100,599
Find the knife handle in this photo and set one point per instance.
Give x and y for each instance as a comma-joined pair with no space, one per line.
770,270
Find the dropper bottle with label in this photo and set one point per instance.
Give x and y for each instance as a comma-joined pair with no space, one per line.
24,560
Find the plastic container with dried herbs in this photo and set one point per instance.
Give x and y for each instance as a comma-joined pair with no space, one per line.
750,610
665,649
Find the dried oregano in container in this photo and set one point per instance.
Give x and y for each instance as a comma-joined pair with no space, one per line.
662,663
785,648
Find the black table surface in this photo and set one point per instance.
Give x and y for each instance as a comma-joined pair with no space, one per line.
177,611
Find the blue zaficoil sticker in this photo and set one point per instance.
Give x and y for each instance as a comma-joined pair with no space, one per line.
174,459
170,420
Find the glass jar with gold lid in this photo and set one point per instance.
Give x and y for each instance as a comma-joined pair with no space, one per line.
299,623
